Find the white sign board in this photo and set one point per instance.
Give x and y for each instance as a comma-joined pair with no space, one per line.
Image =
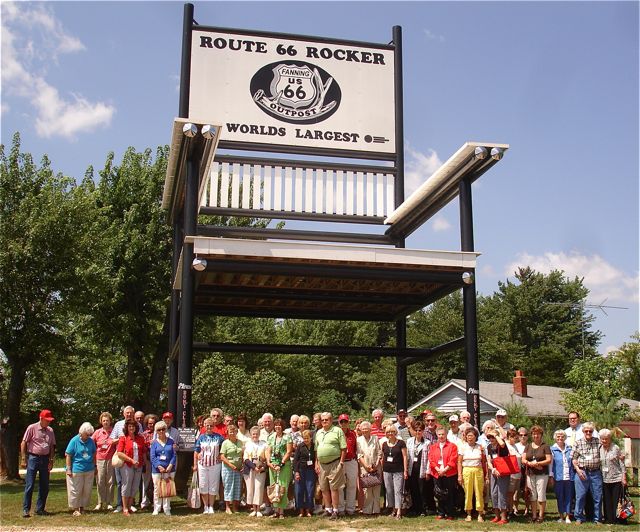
289,92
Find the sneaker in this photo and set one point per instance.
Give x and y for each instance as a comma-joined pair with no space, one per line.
133,509
560,520
109,507
26,514
43,512
167,513
98,507
258,514
495,519
568,520
468,518
211,510
252,514
480,518
76,513
155,512
117,510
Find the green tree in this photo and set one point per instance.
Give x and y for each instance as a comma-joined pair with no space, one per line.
128,294
596,391
628,363
548,327
45,233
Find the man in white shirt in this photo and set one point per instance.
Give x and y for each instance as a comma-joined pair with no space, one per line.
454,435
574,430
502,425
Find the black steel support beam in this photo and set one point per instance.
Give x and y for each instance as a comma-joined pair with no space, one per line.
292,234
286,349
441,349
292,294
289,215
293,313
299,163
469,302
334,271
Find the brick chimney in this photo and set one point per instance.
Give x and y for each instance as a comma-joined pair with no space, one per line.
520,384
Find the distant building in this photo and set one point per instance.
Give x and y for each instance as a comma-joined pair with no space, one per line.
538,400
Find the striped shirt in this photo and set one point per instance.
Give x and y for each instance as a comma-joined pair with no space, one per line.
208,448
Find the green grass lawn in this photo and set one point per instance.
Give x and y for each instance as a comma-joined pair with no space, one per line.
184,518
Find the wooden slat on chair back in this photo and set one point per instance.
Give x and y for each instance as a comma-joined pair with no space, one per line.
299,189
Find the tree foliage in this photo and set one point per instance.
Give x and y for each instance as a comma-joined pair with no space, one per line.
45,222
596,391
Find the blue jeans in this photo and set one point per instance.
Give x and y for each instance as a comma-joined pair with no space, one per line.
36,464
119,486
305,489
564,493
593,484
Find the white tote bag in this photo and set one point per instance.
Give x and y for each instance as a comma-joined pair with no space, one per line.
193,493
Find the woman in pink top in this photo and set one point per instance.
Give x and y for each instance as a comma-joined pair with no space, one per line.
106,474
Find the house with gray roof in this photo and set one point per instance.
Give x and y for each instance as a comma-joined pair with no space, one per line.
538,400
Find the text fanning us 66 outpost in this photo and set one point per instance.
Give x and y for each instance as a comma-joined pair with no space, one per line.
301,90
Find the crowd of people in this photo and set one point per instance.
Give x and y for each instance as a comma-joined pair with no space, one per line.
400,466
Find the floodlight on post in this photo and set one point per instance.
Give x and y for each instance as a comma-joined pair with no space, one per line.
467,278
199,264
189,130
497,153
480,153
208,131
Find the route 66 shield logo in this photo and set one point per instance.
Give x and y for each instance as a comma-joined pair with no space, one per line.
296,92
295,84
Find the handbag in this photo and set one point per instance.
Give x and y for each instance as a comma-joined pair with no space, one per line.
166,487
247,466
440,492
193,493
275,490
506,465
370,480
116,461
625,505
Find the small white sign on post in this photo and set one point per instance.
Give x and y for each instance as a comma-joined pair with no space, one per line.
292,91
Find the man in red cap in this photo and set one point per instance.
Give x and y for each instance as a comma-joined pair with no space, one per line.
172,432
350,464
37,450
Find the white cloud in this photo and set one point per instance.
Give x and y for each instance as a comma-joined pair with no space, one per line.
418,168
603,280
440,223
433,36
25,59
487,271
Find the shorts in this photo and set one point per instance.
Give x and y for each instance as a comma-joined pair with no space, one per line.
331,476
209,479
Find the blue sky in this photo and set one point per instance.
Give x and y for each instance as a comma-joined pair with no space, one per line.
557,81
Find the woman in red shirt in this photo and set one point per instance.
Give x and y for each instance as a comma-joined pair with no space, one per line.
443,466
131,449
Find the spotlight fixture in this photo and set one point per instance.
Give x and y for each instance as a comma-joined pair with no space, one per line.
497,153
199,264
208,131
467,278
480,153
189,130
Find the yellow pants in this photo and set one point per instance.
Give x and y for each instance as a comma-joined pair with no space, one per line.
473,482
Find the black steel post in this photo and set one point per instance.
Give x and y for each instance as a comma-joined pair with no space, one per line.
185,360
174,322
181,312
469,302
401,369
401,325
